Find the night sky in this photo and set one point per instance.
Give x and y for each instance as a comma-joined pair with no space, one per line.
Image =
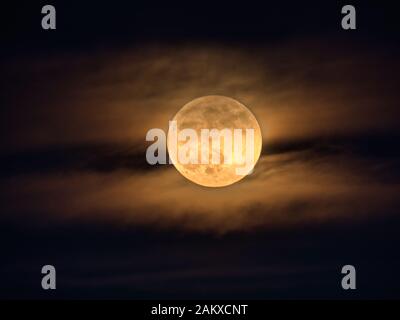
76,191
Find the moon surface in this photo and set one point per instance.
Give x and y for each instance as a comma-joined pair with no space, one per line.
215,112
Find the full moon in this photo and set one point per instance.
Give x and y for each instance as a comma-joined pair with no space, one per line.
215,112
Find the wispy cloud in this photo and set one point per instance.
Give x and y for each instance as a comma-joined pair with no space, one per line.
73,138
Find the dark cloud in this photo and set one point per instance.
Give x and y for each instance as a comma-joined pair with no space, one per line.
100,261
75,158
108,158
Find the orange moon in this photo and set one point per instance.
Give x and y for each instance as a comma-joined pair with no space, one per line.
215,112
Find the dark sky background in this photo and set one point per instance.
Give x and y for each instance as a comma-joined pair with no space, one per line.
76,192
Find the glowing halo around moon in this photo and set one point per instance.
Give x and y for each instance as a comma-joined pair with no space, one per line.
215,112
